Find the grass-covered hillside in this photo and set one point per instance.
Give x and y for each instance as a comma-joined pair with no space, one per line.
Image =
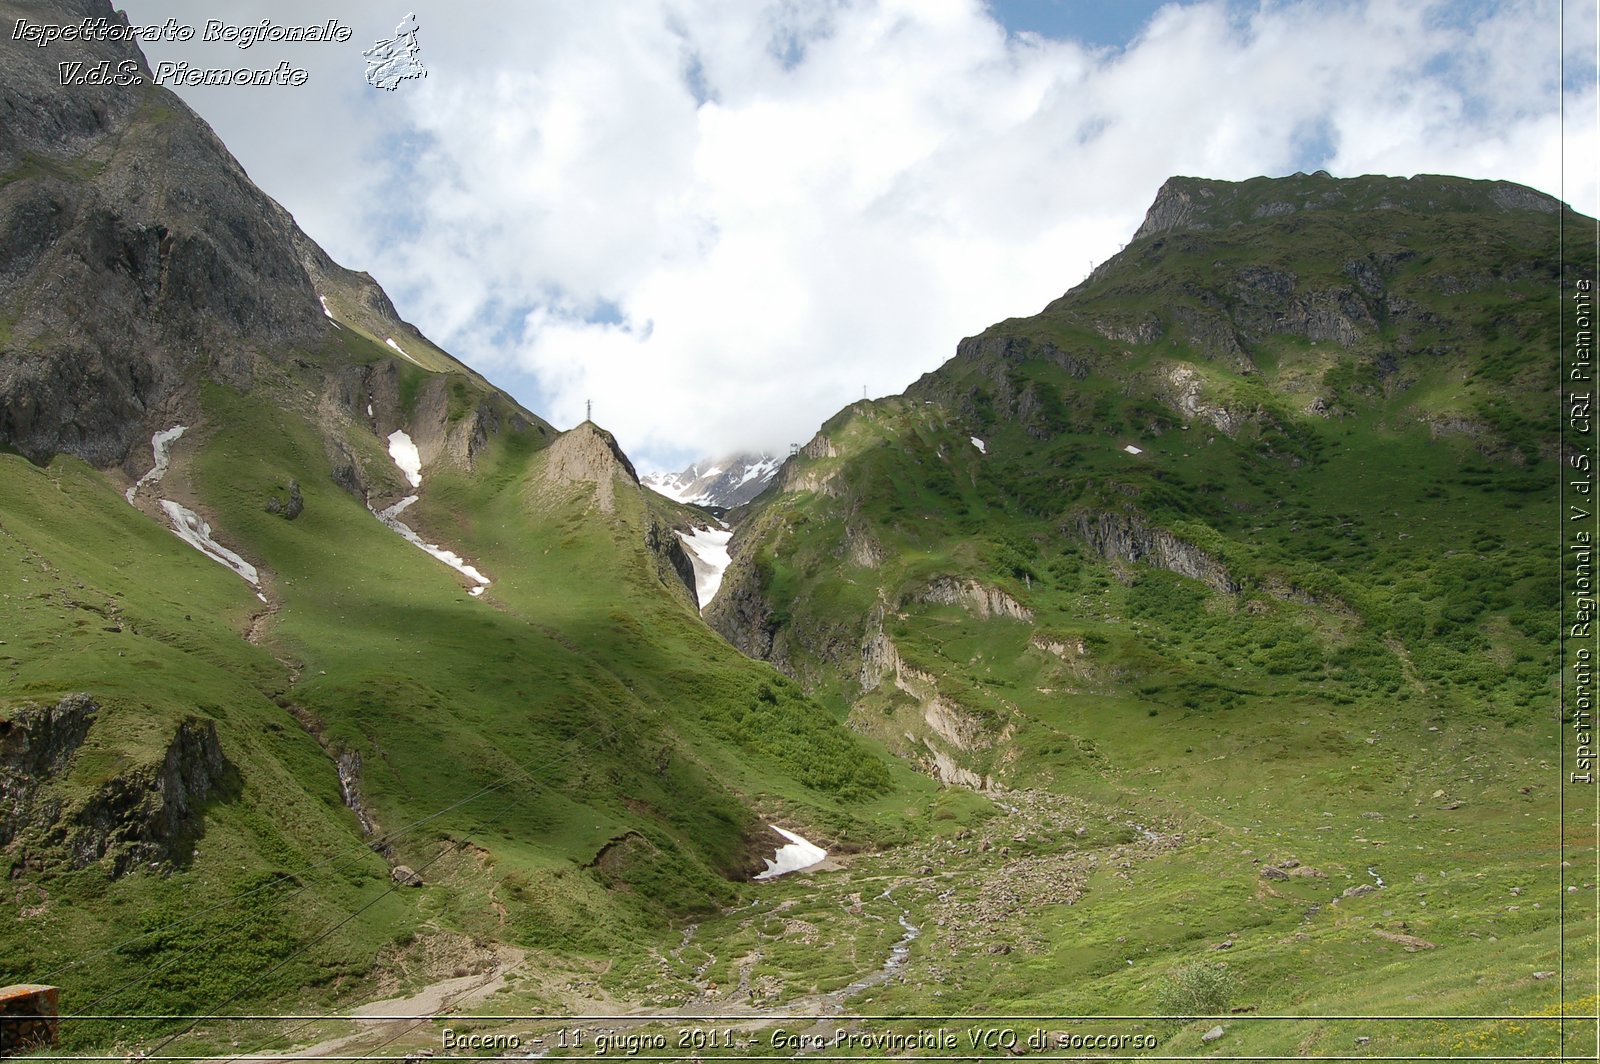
1179,658
1252,532
229,756
570,760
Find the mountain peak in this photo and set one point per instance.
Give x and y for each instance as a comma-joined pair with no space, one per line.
724,482
1194,203
159,265
588,454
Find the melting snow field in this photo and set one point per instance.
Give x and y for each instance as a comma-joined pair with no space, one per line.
764,468
708,551
161,444
406,456
404,452
397,347
797,855
328,313
193,530
1131,449
391,517
979,445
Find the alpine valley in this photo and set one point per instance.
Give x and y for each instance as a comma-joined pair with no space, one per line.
1176,665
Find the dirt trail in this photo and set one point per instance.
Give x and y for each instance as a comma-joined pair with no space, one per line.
381,1022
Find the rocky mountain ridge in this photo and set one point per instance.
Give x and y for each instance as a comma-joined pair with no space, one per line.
138,258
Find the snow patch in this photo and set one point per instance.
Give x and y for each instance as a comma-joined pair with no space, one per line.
761,469
391,517
978,444
193,530
161,444
726,482
328,313
390,341
405,455
1131,449
667,484
708,552
797,855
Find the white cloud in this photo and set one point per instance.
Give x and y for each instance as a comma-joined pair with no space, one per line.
787,201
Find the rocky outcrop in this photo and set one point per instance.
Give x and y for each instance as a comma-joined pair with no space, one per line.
450,421
861,547
290,507
996,388
1125,538
1213,332
947,770
1179,204
819,446
1182,388
673,564
799,474
946,731
588,454
345,469
1147,330
152,815
348,765
147,815
975,597
36,745
1015,350
880,660
741,610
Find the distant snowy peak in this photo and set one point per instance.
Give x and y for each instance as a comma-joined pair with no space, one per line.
727,483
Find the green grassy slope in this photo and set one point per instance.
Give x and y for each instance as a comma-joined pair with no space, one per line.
583,759
1312,620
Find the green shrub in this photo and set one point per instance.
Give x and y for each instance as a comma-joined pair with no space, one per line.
1197,988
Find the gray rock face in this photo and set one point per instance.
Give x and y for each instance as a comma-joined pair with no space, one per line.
588,454
135,250
673,564
977,598
1119,536
880,660
794,476
37,744
1005,395
137,260
741,611
1178,205
348,765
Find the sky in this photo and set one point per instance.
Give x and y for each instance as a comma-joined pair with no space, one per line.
723,220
